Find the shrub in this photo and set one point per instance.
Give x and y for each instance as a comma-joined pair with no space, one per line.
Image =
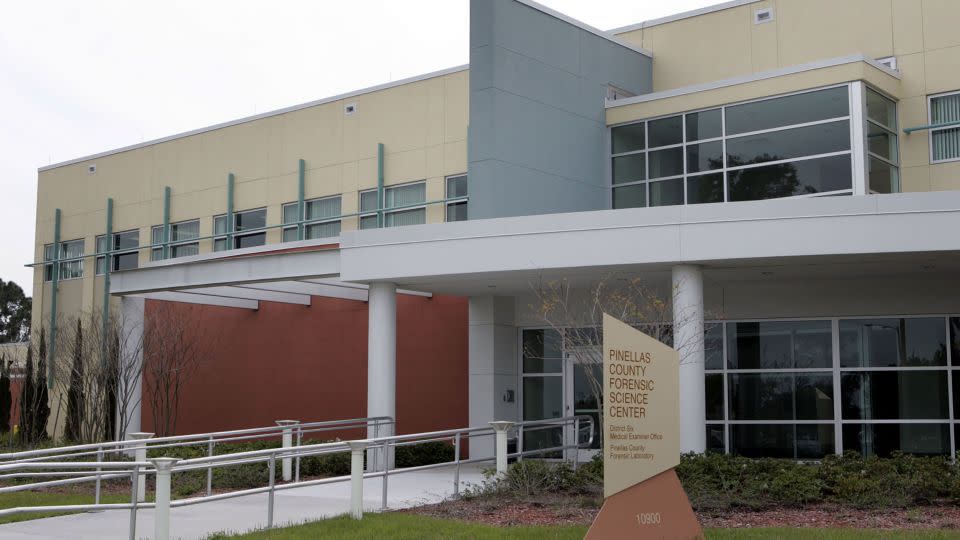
427,453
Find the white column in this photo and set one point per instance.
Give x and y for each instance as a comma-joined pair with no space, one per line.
356,478
493,366
161,513
381,359
688,340
501,430
130,385
140,454
286,440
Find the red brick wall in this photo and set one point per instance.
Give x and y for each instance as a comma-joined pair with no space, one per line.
309,363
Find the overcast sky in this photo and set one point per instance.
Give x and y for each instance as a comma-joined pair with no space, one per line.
77,78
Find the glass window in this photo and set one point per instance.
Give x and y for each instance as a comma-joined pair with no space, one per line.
290,213
704,156
406,195
713,345
884,439
368,222
456,187
893,342
894,395
457,211
666,192
792,441
955,345
706,188
781,396
634,196
250,219
787,110
328,229
417,216
881,110
368,201
805,177
243,222
704,125
183,231
327,210
881,142
715,438
70,269
629,168
884,177
779,345
665,131
714,398
628,138
667,162
542,351
945,141
789,143
542,398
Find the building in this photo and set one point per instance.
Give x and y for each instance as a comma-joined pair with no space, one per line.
787,171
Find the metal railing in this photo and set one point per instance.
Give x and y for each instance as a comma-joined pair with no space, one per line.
379,452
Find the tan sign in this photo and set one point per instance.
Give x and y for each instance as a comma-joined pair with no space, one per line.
641,440
641,406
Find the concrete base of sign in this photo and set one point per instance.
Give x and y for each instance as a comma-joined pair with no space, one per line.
655,508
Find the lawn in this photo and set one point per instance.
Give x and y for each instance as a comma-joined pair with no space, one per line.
410,526
29,498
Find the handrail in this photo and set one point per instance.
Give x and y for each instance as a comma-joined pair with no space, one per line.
134,470
193,438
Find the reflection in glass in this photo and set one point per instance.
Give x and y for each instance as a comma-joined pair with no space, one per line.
542,351
788,143
781,396
894,395
779,344
634,196
665,131
667,162
881,142
666,192
884,439
627,138
788,110
884,178
881,109
704,156
715,442
706,188
714,396
629,168
542,397
909,342
806,441
805,177
713,345
704,125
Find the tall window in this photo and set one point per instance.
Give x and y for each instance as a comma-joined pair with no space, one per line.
368,209
777,147
456,198
322,218
182,242
125,254
248,229
882,147
945,141
68,269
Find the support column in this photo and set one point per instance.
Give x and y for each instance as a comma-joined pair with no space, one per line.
493,366
130,384
381,361
688,340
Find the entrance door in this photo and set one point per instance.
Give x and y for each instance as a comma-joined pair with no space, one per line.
583,382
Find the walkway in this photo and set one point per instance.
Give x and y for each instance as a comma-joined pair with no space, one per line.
247,513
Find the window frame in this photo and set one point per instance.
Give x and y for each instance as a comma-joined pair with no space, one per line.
114,253
156,253
48,266
301,217
361,214
930,131
450,201
853,116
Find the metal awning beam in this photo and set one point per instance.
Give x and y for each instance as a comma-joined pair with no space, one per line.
204,299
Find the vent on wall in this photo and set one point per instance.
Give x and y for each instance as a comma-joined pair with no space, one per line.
889,61
91,168
349,108
761,16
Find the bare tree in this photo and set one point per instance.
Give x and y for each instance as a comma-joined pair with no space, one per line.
175,345
575,314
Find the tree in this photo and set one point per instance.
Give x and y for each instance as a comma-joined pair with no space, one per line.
5,395
75,394
15,313
41,398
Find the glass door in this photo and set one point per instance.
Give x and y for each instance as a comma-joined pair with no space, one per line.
583,389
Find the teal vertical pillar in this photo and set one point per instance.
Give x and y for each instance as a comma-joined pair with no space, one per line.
301,189
165,250
107,263
55,281
380,199
229,224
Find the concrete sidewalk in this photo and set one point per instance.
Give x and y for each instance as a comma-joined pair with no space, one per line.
247,513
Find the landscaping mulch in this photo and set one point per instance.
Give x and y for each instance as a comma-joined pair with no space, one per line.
560,510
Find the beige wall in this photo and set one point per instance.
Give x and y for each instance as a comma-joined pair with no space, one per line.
422,124
922,34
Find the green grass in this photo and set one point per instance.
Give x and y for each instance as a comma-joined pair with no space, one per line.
410,527
29,498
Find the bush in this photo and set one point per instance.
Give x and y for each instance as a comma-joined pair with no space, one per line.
427,453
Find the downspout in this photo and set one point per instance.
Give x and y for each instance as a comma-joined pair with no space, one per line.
230,224
55,281
301,188
107,262
165,250
380,200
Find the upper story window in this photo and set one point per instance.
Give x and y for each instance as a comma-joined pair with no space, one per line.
125,254
368,209
182,242
883,152
71,269
945,141
785,146
402,205
248,229
321,216
456,204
